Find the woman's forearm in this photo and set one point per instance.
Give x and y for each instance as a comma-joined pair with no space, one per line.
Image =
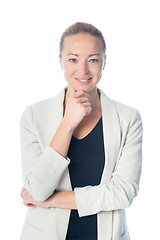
64,199
61,140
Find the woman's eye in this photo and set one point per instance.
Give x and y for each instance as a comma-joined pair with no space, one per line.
93,60
72,60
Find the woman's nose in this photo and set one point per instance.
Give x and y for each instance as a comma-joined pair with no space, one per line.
83,68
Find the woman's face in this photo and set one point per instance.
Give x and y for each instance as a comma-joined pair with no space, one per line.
82,61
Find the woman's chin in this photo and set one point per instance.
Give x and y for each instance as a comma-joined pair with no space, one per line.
78,87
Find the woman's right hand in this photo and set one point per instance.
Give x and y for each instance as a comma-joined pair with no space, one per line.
77,107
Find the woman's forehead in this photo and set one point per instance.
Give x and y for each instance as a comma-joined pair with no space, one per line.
82,43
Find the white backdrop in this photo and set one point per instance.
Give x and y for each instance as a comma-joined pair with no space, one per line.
30,72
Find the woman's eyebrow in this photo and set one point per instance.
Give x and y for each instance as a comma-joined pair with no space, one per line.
95,54
72,54
91,55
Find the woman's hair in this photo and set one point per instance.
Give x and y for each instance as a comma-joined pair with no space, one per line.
81,27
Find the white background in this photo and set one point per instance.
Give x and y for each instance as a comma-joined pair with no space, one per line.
30,72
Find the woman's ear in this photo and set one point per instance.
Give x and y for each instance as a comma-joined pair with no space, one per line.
104,63
60,60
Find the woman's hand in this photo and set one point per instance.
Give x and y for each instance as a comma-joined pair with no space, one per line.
27,199
77,107
30,202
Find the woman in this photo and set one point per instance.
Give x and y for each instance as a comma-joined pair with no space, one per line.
81,151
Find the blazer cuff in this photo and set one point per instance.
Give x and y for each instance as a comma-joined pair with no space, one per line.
58,155
85,200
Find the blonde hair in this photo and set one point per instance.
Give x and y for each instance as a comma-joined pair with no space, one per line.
81,27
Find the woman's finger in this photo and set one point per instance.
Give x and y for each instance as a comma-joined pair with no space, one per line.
22,191
86,104
28,204
80,93
23,194
83,99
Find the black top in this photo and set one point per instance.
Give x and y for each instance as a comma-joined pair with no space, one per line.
86,167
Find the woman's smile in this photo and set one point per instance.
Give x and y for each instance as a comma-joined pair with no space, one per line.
83,80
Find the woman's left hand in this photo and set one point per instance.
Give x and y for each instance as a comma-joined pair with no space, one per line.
29,201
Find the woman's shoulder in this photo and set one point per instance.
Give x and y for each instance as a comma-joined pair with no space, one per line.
35,110
124,111
42,104
41,108
124,108
127,113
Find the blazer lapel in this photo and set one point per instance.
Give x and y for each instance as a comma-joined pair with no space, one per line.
111,134
55,115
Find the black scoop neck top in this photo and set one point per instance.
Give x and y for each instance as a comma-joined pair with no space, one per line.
86,167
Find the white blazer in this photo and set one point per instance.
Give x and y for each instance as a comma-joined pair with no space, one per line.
45,170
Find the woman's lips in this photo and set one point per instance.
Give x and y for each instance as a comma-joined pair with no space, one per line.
83,80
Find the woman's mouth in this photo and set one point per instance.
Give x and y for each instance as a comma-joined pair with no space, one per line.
83,80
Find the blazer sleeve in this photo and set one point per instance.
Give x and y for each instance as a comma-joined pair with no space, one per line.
124,184
41,170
